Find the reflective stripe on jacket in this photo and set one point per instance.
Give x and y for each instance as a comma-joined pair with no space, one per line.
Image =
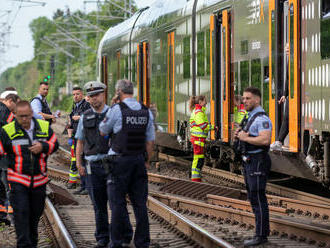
25,167
199,124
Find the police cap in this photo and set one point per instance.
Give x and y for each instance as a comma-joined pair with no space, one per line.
94,87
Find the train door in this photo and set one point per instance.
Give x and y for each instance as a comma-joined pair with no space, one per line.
225,76
139,71
143,75
146,74
294,73
220,74
105,74
284,73
170,80
272,67
215,73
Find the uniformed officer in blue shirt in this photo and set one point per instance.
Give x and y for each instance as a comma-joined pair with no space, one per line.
95,148
255,137
133,135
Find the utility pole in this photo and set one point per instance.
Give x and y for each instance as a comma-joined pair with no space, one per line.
68,61
52,69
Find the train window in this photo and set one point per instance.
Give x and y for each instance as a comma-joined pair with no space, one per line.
265,90
325,30
126,67
235,73
200,54
244,47
122,68
273,54
118,66
208,63
244,71
186,57
256,73
237,89
291,51
133,61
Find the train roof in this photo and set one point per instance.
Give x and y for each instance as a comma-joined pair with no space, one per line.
150,17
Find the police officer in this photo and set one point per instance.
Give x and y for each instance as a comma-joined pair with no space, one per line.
95,148
255,137
131,146
7,107
27,143
80,106
40,105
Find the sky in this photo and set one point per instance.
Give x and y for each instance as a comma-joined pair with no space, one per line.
20,41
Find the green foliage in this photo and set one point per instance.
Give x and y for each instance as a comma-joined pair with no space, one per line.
26,76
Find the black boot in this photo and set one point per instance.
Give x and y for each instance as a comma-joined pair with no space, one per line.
4,221
71,185
257,240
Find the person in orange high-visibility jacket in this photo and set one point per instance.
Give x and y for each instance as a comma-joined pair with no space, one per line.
26,144
199,128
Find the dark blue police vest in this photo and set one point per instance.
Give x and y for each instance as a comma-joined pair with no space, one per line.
131,139
44,108
248,146
78,110
94,143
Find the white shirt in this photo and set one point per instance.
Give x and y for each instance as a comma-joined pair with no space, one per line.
30,131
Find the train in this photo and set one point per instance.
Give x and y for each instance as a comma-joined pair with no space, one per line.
175,49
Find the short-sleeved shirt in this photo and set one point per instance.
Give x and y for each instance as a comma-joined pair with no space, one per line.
37,108
261,123
113,120
80,135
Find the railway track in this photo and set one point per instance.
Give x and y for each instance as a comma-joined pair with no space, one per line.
167,226
221,205
239,179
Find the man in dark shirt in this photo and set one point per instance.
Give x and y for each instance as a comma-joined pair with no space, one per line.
80,105
40,105
284,130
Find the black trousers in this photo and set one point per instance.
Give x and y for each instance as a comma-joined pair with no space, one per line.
97,188
3,196
129,176
28,205
256,173
285,123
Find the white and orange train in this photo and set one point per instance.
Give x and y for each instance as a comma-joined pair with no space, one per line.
178,48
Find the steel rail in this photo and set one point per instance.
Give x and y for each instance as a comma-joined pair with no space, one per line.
181,223
240,204
272,188
305,202
63,238
278,224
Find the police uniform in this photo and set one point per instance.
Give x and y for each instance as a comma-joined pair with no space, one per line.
77,109
39,104
95,149
27,175
257,164
132,126
6,116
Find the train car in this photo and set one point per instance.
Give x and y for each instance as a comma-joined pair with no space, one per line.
178,48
